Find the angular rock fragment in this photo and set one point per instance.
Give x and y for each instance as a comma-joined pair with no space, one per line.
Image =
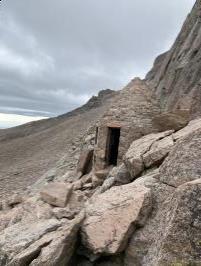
56,194
159,150
19,236
134,156
85,162
112,217
61,249
54,248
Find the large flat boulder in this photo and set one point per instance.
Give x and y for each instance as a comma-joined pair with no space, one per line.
56,194
134,156
112,217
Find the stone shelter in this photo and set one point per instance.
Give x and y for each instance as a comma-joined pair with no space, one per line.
129,117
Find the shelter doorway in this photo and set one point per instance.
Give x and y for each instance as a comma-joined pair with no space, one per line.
112,147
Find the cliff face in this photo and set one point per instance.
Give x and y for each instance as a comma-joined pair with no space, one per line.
176,75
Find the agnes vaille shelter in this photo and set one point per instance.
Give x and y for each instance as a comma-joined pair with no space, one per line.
128,118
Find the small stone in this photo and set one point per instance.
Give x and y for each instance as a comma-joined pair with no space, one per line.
56,194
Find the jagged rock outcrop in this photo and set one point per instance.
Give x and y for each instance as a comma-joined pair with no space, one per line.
175,77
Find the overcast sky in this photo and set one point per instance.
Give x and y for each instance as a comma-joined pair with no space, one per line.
54,55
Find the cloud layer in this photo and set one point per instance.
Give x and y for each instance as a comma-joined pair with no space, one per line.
12,120
55,54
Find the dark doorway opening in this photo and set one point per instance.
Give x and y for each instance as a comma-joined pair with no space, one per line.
112,146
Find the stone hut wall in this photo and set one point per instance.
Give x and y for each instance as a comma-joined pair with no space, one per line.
132,110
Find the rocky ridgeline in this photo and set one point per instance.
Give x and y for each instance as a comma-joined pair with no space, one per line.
146,212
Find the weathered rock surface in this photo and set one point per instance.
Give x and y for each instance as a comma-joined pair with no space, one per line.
120,174
21,235
184,161
158,151
137,252
192,126
56,194
61,249
35,233
139,148
175,78
112,216
172,120
85,162
178,242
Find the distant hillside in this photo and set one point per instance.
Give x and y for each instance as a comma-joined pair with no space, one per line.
30,150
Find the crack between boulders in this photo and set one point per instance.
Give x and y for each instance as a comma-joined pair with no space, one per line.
38,252
150,147
167,184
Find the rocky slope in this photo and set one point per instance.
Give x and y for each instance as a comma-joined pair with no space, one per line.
29,151
176,75
146,212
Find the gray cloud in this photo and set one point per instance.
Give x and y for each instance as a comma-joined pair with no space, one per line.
55,54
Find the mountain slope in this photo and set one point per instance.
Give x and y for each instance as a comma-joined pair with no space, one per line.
30,150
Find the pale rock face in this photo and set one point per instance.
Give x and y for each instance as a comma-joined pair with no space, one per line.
139,148
137,252
112,216
178,242
184,161
19,236
56,194
36,233
61,249
54,248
